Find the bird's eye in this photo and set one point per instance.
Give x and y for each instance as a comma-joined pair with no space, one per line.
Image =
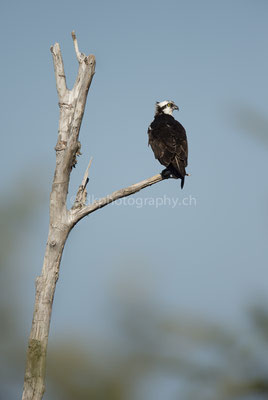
169,104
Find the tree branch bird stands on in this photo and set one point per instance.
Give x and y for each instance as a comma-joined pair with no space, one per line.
168,140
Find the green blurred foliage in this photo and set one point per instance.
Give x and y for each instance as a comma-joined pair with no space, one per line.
17,207
211,361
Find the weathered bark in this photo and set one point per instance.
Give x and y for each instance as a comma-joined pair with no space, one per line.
72,105
34,383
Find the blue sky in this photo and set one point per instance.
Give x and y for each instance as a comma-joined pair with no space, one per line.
210,58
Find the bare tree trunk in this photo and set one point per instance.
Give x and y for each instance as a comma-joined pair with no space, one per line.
72,105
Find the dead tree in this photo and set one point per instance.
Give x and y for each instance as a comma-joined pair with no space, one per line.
72,105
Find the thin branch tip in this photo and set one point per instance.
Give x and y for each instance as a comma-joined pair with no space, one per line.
76,48
86,179
81,195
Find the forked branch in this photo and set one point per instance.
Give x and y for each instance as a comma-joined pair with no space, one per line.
78,214
72,105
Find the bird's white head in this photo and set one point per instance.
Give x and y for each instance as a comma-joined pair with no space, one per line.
165,107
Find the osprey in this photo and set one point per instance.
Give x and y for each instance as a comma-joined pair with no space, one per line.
168,140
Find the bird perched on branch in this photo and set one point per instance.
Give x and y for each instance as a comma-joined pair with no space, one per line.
168,140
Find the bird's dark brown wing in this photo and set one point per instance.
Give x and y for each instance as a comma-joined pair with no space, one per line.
168,140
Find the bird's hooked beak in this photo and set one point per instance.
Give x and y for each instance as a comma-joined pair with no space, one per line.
175,107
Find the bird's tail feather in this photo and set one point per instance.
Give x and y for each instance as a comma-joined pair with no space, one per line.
180,171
